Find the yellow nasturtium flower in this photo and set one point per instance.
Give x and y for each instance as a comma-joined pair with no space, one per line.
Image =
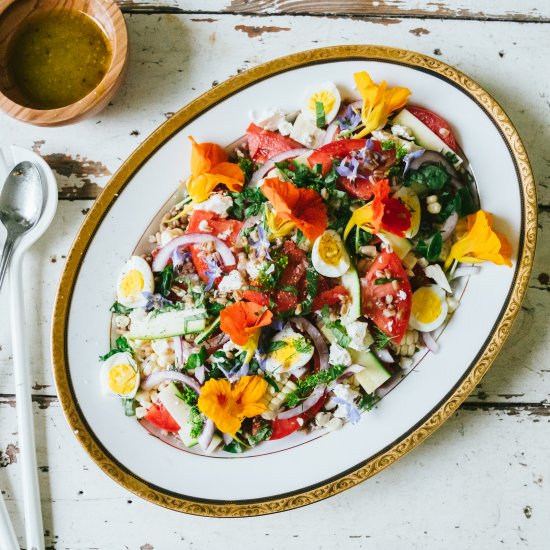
277,226
378,102
480,243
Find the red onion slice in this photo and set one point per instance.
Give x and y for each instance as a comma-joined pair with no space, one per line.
331,132
227,439
384,355
165,253
161,376
449,226
431,344
312,400
207,434
316,337
270,163
178,350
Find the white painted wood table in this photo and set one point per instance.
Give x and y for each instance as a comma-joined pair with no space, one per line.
483,480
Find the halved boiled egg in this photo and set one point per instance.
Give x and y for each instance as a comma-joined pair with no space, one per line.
428,309
326,93
329,255
410,199
119,375
135,279
288,351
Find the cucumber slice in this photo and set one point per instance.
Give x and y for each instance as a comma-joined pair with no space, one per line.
167,324
179,411
207,332
400,245
424,136
373,374
350,280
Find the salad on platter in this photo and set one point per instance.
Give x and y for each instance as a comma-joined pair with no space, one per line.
300,273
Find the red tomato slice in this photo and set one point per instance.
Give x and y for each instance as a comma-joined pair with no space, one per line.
261,298
160,417
374,295
336,149
361,188
436,124
264,144
282,428
329,297
229,229
284,300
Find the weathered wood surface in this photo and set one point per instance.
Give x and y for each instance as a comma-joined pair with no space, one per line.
486,10
495,449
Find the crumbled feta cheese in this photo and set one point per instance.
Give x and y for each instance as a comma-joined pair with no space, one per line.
345,392
272,119
217,203
321,418
203,226
334,424
232,281
381,136
254,267
168,234
402,132
225,234
360,337
305,131
339,356
402,294
435,272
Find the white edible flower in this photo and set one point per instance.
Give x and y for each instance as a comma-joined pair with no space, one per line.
435,272
217,203
232,281
272,119
359,335
402,132
305,131
339,356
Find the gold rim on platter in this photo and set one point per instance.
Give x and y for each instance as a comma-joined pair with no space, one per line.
416,434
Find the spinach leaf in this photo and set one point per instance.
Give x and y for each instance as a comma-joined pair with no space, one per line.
338,330
305,385
428,178
248,167
196,359
320,114
234,447
166,279
275,346
261,434
431,248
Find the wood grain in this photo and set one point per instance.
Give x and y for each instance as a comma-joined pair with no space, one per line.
489,10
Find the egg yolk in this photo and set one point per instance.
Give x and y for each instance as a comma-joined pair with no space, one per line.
330,250
324,97
426,305
132,283
122,379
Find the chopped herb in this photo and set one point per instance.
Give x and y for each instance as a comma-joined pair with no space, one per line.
304,386
121,347
368,401
358,238
275,346
248,168
301,345
166,278
431,248
289,288
117,307
260,434
213,308
381,339
320,114
196,359
235,447
247,203
312,280
271,381
197,422
400,150
338,330
451,157
385,280
301,176
428,178
271,271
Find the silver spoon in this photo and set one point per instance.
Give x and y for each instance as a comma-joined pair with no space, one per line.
21,203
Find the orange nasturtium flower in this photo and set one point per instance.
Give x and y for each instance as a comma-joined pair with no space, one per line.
378,102
227,406
480,243
242,321
369,216
209,168
304,207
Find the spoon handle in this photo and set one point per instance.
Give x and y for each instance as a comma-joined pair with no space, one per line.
34,529
6,255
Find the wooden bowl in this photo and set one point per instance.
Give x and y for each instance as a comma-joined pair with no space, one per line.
107,14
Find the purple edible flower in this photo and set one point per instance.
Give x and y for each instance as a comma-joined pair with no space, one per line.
410,157
346,171
262,243
179,257
352,411
213,272
155,301
350,120
260,360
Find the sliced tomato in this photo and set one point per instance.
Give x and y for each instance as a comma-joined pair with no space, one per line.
160,417
282,428
361,188
329,297
284,300
334,150
225,229
436,124
261,298
374,295
265,144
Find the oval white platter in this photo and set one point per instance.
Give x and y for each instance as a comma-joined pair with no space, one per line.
299,469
